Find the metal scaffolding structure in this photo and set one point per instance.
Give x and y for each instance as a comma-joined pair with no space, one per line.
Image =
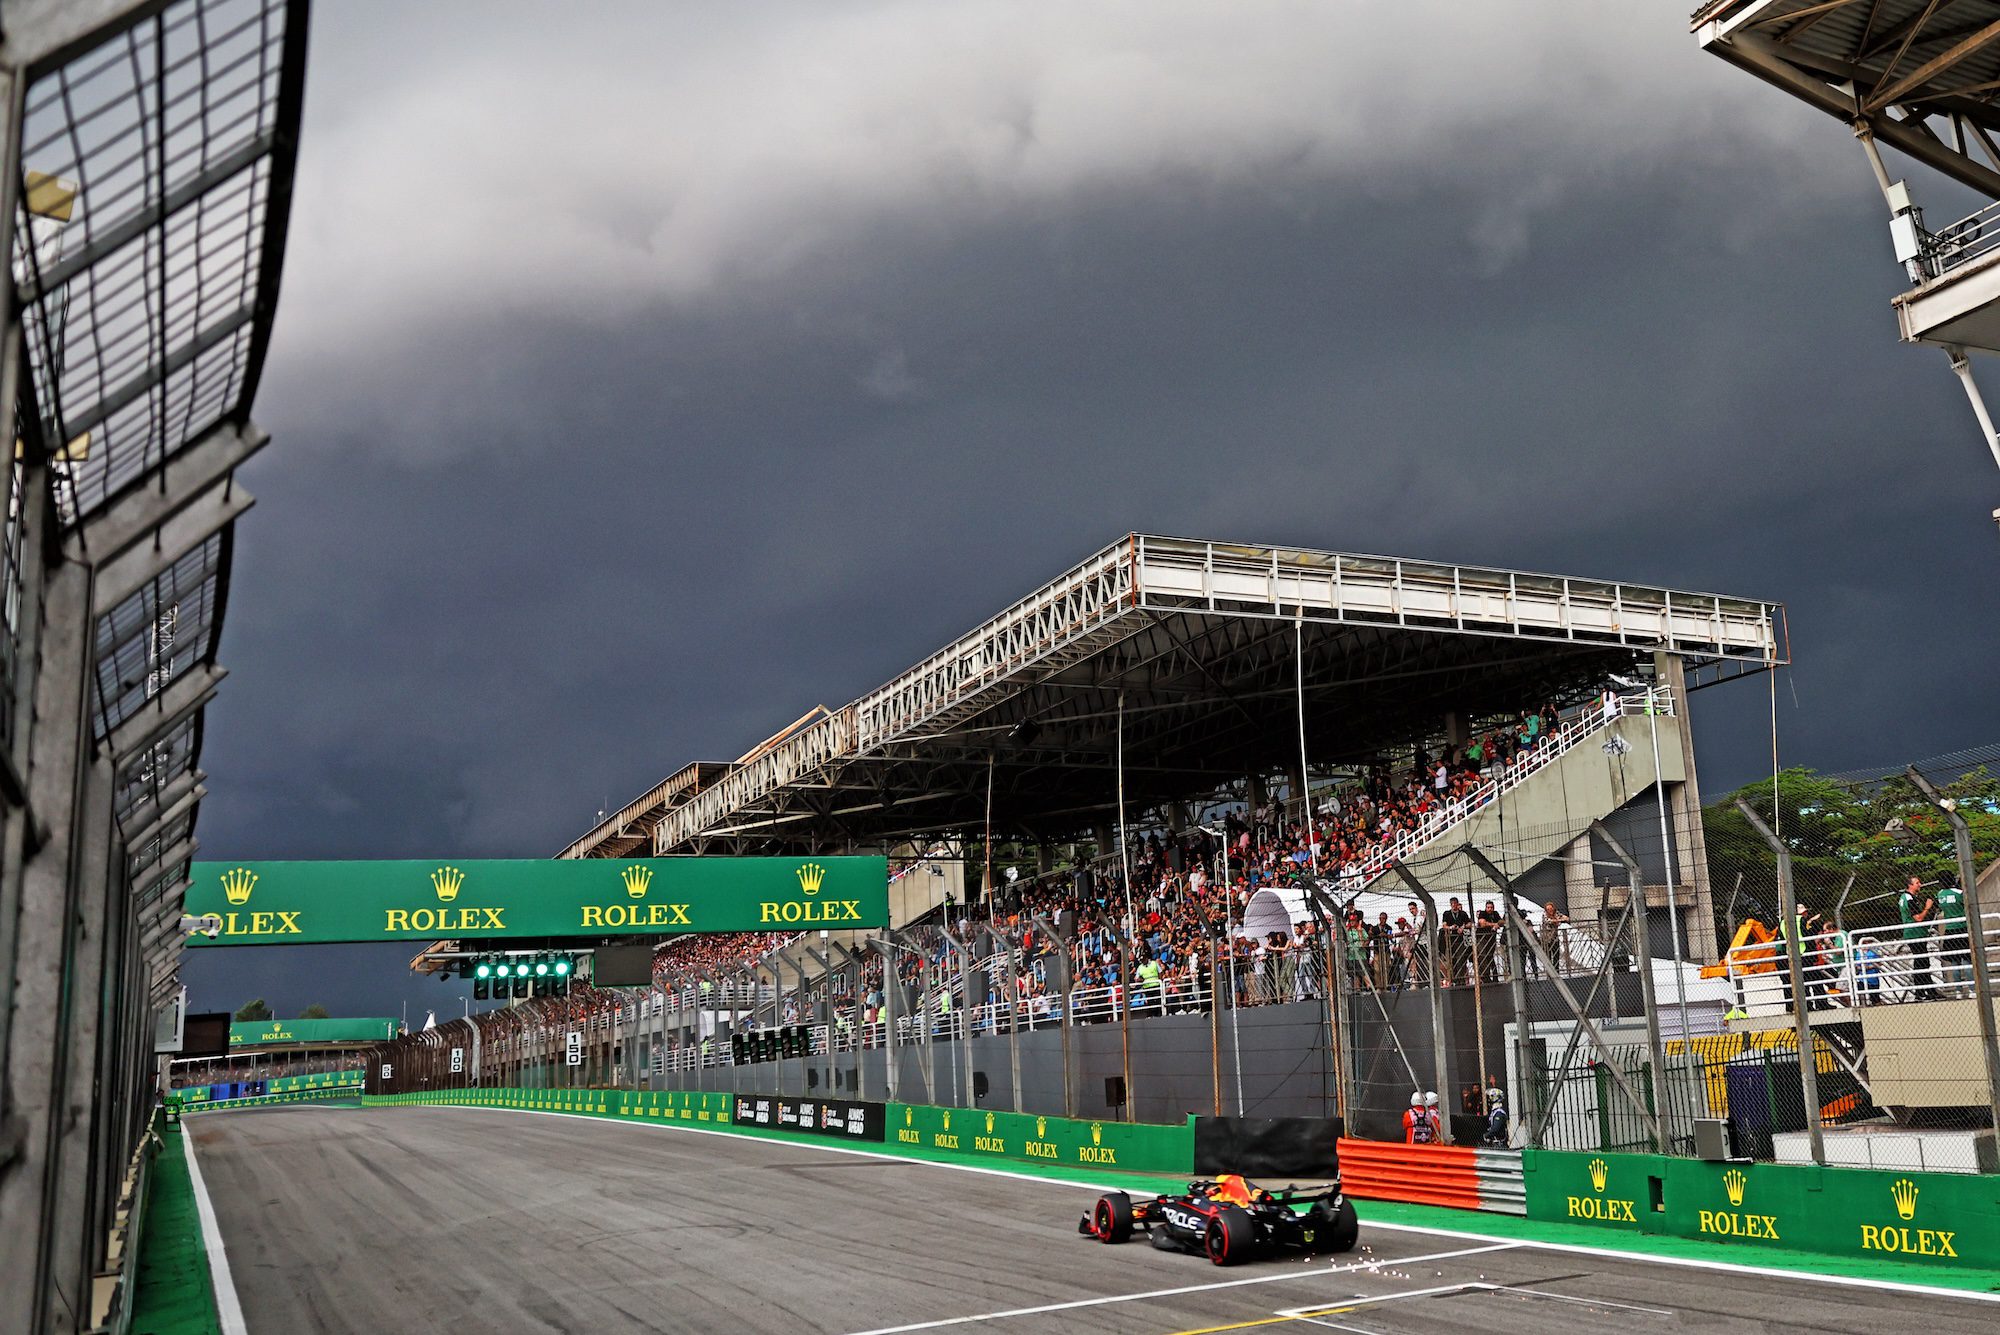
1185,665
149,159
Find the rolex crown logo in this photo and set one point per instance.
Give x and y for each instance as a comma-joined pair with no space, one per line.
237,884
1905,1192
989,1124
1599,1171
636,880
947,1119
1041,1128
1732,1182
909,1116
447,880
811,877
1097,1133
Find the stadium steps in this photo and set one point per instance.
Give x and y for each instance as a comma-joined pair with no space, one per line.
1587,774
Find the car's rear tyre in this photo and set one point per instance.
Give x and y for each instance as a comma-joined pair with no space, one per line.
1111,1221
1332,1229
1231,1236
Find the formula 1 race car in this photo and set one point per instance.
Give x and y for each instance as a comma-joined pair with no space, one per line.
1229,1220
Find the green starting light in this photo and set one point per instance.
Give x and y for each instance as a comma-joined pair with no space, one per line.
521,969
541,968
484,970
562,968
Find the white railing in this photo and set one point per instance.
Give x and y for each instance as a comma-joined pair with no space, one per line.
1958,244
1872,967
1509,776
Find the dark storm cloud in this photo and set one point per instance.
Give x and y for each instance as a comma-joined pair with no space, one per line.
619,423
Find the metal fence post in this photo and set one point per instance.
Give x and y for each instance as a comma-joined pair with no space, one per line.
1125,1018
1062,958
892,985
826,1043
1801,1020
1517,987
1643,951
1013,981
1579,1011
1975,938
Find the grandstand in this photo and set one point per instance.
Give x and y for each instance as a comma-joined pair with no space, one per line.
1191,736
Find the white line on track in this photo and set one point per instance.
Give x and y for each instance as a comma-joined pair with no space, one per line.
1293,1275
1570,1248
1316,1314
228,1308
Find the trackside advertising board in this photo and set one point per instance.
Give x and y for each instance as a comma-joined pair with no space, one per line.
302,903
979,1134
1929,1219
843,1119
263,1033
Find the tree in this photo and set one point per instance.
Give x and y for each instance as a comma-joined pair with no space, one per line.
314,1012
254,1010
1845,860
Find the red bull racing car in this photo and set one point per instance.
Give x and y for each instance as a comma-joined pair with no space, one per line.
1230,1220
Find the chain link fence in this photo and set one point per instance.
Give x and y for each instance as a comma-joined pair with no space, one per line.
1627,984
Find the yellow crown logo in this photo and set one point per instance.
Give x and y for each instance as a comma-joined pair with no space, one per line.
1599,1170
909,1116
1733,1182
447,880
1905,1192
1041,1127
811,877
237,883
947,1119
636,880
1097,1133
989,1124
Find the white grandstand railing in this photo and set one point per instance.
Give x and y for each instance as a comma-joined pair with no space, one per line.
1176,574
1859,968
1524,766
1087,606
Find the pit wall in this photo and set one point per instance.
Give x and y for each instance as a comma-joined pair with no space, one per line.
1947,1220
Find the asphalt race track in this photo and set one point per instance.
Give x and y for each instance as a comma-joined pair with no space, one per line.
455,1219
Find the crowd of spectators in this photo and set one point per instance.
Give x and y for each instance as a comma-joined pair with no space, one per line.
718,953
1186,911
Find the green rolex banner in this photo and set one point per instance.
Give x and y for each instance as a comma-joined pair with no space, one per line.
252,1033
300,903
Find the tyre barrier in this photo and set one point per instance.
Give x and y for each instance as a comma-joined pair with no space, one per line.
1458,1177
1420,1174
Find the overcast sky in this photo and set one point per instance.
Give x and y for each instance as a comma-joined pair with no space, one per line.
646,375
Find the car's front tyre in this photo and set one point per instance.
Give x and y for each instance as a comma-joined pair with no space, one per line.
1111,1221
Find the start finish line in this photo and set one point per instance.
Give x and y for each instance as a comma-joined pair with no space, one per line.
302,903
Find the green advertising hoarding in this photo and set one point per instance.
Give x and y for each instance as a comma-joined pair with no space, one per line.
302,903
256,1033
1933,1219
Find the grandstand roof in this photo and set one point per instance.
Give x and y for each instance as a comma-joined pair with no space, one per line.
1203,642
1924,76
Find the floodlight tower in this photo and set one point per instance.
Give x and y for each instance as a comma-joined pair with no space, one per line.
1922,76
